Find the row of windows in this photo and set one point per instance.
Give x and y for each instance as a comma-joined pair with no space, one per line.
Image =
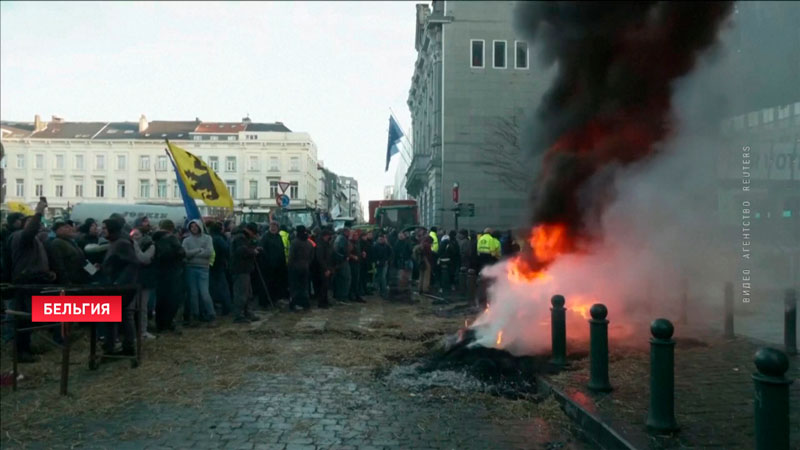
144,189
499,54
161,164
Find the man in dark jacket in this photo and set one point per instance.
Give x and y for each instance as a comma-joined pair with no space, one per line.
120,267
170,287
218,284
403,262
273,263
323,255
354,250
341,256
29,265
66,258
244,253
381,255
301,254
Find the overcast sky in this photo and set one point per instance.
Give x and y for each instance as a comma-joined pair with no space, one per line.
332,69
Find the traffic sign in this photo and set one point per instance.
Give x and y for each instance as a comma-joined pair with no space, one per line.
466,209
283,185
284,200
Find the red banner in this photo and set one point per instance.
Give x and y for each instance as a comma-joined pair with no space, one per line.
76,308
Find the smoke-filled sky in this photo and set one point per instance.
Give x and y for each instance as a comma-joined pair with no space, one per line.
333,69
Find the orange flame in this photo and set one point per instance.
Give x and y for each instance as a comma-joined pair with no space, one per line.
500,337
546,242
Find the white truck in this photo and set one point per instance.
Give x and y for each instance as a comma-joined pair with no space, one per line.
101,211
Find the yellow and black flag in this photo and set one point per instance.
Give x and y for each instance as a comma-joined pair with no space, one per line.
200,181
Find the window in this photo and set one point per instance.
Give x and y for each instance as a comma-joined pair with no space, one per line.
144,188
253,189
274,164
121,188
768,115
230,164
20,191
231,138
294,164
79,162
521,55
752,119
499,59
214,138
38,188
20,161
251,137
273,189
59,161
79,187
175,190
100,162
293,189
253,163
476,50
213,162
144,163
59,190
161,163
231,187
122,162
38,161
99,189
197,138
161,189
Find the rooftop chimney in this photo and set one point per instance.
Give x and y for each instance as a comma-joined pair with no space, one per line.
143,124
246,119
38,125
57,119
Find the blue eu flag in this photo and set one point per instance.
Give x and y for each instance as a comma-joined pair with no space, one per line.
395,134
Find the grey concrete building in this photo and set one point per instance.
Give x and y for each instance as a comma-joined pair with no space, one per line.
473,85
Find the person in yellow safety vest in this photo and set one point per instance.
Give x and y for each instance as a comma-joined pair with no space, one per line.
435,237
487,249
496,245
285,238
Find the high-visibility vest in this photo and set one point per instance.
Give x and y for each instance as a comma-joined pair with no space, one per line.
285,239
435,245
496,248
485,244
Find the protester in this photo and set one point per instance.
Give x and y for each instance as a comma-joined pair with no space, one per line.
169,261
244,252
425,258
120,267
323,255
67,259
273,264
403,260
88,233
355,256
199,248
301,254
145,252
218,280
341,257
381,254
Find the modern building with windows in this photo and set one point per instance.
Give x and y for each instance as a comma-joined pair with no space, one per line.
473,86
126,162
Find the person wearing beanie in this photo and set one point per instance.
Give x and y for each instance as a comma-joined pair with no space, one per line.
120,267
301,254
67,259
244,252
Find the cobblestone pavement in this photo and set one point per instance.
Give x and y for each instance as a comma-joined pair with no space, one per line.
713,393
312,405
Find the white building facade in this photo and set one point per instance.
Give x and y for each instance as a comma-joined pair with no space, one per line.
126,162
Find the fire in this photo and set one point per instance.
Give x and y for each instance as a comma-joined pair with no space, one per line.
583,310
500,337
546,243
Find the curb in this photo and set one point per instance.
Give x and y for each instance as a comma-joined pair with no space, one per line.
599,432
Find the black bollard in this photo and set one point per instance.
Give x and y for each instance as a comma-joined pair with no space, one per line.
598,352
771,400
790,322
729,311
661,415
558,324
471,289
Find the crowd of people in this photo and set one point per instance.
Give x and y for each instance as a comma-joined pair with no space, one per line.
217,269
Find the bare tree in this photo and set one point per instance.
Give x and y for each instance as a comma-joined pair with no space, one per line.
502,155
